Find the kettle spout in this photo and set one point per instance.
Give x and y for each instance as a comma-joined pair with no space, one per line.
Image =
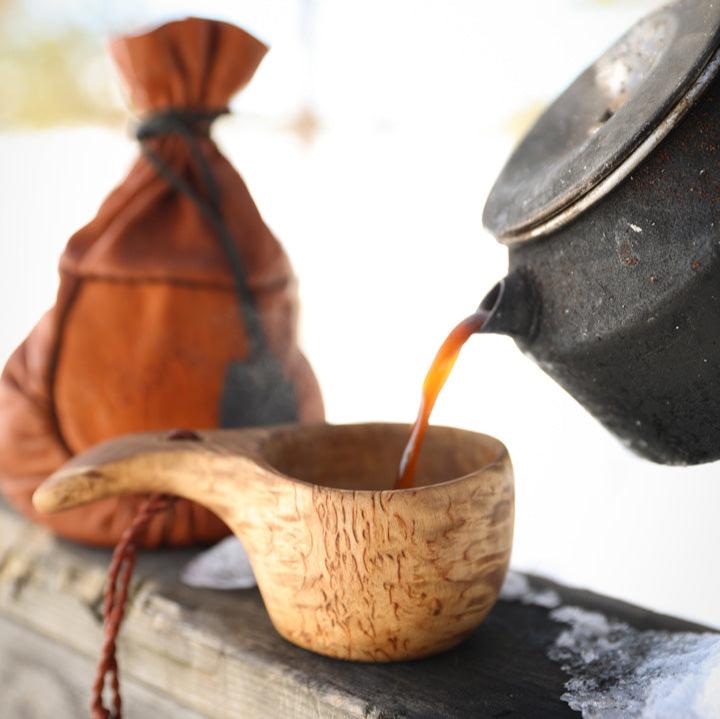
513,305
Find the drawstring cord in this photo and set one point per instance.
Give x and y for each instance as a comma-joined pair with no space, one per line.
189,124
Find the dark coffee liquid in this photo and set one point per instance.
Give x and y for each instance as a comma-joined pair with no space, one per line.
434,381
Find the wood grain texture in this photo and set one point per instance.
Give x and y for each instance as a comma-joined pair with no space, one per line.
346,566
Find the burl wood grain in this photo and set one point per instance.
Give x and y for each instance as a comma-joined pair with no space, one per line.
346,566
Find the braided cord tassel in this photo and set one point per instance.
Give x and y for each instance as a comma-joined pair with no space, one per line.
114,600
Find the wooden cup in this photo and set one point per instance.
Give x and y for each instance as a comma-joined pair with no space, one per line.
346,565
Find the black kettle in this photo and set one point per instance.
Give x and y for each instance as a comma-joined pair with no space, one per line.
610,207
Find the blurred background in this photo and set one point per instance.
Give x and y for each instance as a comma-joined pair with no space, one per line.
370,138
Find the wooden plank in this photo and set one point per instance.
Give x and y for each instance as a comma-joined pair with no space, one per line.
216,653
41,678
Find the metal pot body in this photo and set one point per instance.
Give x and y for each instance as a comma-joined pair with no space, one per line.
627,298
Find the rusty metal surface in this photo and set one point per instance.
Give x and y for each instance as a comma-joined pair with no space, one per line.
607,121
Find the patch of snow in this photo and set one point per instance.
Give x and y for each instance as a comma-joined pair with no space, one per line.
224,566
517,588
617,672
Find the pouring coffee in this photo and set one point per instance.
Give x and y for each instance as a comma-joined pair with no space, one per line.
609,208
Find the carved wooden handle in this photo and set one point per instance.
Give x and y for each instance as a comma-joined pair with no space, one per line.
205,466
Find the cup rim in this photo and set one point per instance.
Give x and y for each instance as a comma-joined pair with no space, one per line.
501,458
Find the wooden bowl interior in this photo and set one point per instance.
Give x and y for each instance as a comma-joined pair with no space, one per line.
366,457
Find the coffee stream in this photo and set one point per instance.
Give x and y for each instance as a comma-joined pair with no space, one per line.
434,382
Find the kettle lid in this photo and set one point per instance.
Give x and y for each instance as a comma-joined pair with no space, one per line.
609,119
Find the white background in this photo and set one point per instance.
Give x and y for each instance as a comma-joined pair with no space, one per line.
419,104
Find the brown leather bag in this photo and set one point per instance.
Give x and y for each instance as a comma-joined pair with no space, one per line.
177,307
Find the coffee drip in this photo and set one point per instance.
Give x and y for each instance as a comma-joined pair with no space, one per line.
434,381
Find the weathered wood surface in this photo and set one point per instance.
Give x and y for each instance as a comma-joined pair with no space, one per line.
215,654
42,679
